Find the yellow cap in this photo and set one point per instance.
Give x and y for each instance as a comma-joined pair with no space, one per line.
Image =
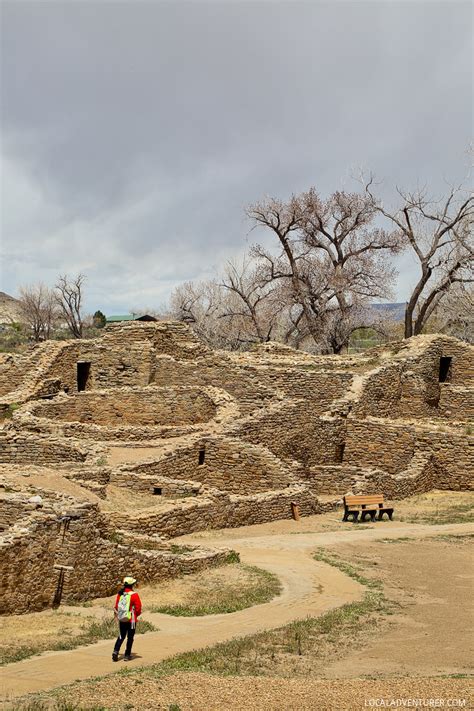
129,580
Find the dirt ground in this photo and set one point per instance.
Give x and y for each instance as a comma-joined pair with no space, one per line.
431,582
421,651
202,692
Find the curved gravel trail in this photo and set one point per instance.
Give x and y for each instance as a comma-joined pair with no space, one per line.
310,588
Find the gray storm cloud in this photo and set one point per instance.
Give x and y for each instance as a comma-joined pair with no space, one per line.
134,134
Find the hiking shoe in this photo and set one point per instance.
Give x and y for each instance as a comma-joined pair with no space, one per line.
115,656
127,658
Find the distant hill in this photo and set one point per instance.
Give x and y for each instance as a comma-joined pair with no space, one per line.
393,311
10,309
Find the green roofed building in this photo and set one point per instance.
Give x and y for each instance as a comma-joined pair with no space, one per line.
130,317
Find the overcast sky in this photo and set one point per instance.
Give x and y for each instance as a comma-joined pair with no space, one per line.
135,133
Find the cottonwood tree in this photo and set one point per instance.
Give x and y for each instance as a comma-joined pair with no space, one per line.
68,295
455,314
331,256
439,233
233,312
250,304
39,309
198,304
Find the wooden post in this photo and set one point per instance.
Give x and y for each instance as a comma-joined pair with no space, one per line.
295,511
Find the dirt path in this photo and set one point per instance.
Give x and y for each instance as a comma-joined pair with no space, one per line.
309,588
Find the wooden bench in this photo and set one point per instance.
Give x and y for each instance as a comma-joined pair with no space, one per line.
365,506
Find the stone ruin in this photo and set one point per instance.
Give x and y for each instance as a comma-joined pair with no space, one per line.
222,440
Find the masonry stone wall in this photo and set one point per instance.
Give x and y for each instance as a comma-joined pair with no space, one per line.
390,446
409,387
378,443
12,371
292,432
147,406
23,448
30,551
217,371
217,510
456,403
227,464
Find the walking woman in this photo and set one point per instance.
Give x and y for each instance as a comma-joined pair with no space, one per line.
128,608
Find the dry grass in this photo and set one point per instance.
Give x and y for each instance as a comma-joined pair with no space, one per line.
225,589
437,507
26,635
120,498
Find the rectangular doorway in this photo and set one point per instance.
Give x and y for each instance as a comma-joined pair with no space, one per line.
83,372
444,369
340,452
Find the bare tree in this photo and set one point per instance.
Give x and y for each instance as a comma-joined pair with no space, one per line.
39,310
331,255
199,305
439,235
68,294
455,314
232,313
251,302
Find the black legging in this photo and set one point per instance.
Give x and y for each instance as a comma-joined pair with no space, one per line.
126,630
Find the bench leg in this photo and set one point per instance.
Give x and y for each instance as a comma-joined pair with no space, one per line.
370,513
354,514
389,513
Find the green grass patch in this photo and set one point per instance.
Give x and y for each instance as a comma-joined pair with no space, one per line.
91,632
262,587
178,550
7,413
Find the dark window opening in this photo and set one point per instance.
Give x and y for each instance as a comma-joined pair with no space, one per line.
340,452
157,490
444,369
83,371
202,456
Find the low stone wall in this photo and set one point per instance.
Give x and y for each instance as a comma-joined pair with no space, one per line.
421,476
148,483
33,416
132,406
456,403
22,448
216,510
